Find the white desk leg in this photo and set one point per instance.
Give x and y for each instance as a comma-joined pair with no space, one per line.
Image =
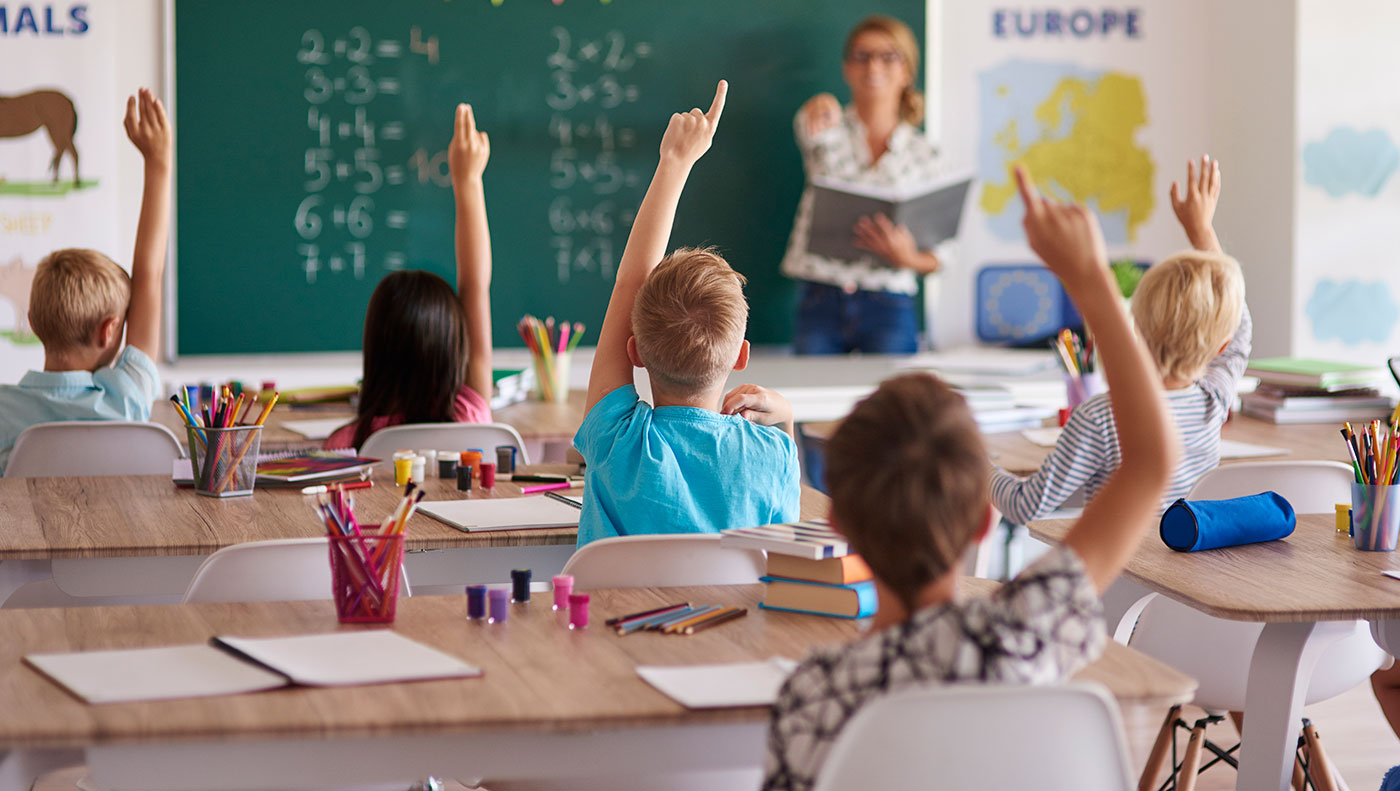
19,768
1279,673
1387,636
15,574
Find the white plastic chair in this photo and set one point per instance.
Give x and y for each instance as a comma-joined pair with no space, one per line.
1050,738
448,436
289,569
1217,652
93,447
663,561
1311,487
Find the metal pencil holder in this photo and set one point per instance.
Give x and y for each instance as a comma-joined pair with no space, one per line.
224,460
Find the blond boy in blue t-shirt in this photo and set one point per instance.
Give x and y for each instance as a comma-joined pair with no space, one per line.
701,460
81,302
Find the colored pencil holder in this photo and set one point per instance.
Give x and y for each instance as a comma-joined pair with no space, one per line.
224,460
552,377
1079,389
1375,516
365,574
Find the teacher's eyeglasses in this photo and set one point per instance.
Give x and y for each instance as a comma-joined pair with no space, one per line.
863,57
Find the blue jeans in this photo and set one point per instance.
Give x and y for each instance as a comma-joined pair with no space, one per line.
830,321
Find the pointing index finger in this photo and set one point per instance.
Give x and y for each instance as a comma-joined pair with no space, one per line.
1030,196
717,106
466,118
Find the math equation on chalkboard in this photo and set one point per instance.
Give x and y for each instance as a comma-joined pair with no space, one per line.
359,162
594,193
352,122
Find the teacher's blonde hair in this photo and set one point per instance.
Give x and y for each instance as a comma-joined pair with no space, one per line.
911,102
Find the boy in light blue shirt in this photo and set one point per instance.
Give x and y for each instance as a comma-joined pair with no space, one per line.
82,300
701,460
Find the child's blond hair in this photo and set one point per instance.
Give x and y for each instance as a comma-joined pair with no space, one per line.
74,291
689,319
1186,308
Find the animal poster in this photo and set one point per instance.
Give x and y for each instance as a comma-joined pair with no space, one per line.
60,132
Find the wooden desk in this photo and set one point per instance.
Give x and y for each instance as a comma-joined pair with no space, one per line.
554,703
1018,455
1295,587
141,536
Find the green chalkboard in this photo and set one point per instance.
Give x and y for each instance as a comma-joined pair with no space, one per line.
312,135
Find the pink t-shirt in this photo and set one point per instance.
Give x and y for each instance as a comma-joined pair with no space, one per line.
469,407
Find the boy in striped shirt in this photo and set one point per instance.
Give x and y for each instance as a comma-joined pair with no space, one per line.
1191,314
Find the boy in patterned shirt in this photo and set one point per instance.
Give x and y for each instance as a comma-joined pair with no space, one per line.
908,478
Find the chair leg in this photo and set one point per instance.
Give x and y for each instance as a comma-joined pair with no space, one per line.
1319,766
1191,761
1158,757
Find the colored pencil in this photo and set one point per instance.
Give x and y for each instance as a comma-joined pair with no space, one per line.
734,612
645,613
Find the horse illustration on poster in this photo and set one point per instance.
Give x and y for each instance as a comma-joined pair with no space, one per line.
50,110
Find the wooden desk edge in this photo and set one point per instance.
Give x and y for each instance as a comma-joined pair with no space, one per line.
1050,530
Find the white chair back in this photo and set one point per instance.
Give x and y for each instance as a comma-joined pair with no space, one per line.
1218,652
663,560
289,569
93,447
444,436
1050,738
1311,487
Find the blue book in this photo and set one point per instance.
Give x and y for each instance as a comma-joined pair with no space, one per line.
857,600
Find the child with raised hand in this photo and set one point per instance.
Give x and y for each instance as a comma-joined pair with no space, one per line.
699,461
1190,311
82,301
912,507
427,350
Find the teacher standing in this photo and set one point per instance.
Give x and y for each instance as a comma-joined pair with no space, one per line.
865,305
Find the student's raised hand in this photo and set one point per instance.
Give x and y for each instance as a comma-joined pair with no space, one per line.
1066,237
1195,207
820,113
757,405
148,128
688,135
469,150
879,235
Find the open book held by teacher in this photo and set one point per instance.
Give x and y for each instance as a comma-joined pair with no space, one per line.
932,212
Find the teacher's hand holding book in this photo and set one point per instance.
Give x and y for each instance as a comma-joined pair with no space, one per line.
894,243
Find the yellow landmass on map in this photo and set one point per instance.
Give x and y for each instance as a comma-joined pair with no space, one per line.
1096,160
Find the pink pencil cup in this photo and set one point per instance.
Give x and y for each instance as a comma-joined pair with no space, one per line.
365,574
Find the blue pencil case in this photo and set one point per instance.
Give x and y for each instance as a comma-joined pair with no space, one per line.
1211,524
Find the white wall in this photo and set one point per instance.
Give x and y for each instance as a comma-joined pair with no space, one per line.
1346,296
1249,100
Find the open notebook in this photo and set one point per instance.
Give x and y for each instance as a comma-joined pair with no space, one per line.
720,686
505,513
234,665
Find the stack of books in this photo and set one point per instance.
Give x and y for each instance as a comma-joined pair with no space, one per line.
1315,391
810,570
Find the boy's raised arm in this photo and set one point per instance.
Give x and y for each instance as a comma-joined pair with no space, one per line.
467,157
1195,209
687,138
149,130
1068,239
